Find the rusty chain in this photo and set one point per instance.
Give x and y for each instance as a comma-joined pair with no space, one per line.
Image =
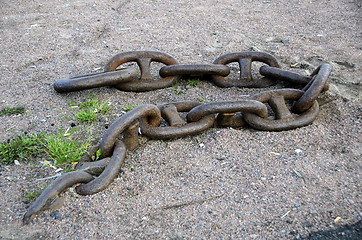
123,134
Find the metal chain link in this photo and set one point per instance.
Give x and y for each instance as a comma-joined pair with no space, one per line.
122,135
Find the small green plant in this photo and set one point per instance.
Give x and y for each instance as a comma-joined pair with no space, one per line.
87,115
177,91
33,194
193,82
12,111
91,108
129,107
96,104
22,147
65,150
69,168
97,156
200,99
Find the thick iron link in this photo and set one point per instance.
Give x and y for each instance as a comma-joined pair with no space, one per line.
194,70
149,111
288,76
95,80
313,89
245,59
143,59
48,197
285,75
109,173
180,130
284,120
227,107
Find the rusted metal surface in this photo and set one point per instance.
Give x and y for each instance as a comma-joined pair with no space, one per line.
151,112
170,114
288,76
109,173
227,107
245,60
95,80
194,70
179,130
233,120
143,58
284,120
130,136
51,193
284,75
313,90
111,150
94,168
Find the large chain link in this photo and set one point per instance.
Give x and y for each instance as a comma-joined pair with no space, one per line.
122,135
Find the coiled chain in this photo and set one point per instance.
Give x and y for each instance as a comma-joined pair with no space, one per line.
122,135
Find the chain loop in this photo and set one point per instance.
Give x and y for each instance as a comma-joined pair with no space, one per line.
94,80
149,111
227,107
245,59
180,130
143,59
50,194
109,173
313,89
289,76
284,120
194,70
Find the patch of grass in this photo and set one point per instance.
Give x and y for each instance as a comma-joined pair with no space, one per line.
200,99
129,107
65,150
61,148
193,82
87,116
12,111
69,168
91,108
33,194
177,91
22,147
96,104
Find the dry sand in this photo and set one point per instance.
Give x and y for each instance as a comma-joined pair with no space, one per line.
241,184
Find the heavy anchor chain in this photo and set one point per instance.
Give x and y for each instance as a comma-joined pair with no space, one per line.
123,135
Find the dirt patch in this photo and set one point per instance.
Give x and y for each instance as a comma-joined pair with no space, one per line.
241,183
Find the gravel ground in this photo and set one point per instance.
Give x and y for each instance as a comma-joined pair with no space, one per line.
229,183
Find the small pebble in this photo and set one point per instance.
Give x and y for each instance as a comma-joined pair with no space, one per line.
56,215
298,151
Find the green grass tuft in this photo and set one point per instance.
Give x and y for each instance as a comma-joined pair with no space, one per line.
96,104
91,108
12,111
200,99
33,194
193,82
22,147
129,107
177,91
87,116
65,150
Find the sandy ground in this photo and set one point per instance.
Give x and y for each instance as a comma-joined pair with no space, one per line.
242,184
